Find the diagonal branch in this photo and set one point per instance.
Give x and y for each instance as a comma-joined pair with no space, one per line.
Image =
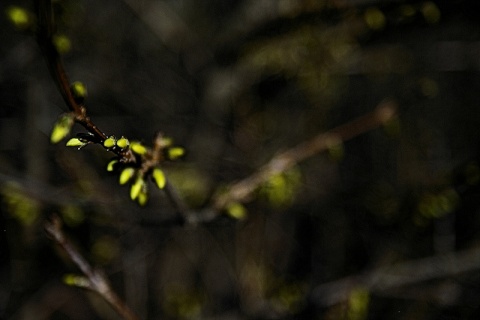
399,275
242,190
45,34
96,280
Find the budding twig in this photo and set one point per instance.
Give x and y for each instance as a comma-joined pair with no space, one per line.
45,33
143,161
95,279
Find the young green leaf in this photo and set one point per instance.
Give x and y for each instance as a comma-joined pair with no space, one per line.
142,198
137,188
138,148
61,128
79,90
236,210
75,142
123,143
126,175
159,178
111,165
175,153
109,142
19,17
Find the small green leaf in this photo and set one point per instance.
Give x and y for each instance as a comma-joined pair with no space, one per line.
137,188
19,17
126,175
61,128
75,142
109,142
175,153
142,198
138,148
159,178
62,43
76,280
123,142
236,210
79,90
111,165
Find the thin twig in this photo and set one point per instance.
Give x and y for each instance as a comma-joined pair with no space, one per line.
96,279
45,33
399,275
242,190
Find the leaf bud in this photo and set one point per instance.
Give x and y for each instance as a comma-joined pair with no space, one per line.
138,148
123,142
142,198
19,17
76,280
62,43
137,188
111,165
76,142
175,153
62,128
109,142
236,210
159,178
79,91
126,175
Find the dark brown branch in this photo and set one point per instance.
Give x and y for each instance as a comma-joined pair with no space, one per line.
96,279
45,33
242,190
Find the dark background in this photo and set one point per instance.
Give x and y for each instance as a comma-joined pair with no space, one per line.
349,234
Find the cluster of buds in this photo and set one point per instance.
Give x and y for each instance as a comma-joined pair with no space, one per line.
135,162
143,162
146,166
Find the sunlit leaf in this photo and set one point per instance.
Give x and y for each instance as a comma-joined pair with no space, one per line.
137,188
159,177
123,142
109,142
126,175
61,128
138,148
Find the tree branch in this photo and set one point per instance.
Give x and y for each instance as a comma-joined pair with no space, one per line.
399,275
96,279
45,33
242,190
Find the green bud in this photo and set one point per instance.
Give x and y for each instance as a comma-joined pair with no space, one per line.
109,142
111,165
123,142
159,178
142,198
137,188
61,128
75,142
126,175
138,148
19,17
79,90
175,153
76,280
236,210
62,43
